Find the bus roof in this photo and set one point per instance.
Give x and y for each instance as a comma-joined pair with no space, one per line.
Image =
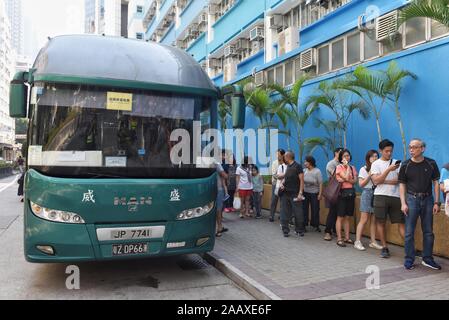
120,62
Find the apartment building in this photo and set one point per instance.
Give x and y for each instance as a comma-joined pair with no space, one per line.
276,41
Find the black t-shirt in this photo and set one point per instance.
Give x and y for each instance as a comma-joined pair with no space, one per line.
418,177
291,182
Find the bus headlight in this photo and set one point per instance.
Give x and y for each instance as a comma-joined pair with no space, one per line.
195,212
55,215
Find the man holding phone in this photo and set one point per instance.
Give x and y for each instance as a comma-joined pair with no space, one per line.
384,173
417,177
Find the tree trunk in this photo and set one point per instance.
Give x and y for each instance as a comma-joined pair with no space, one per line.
401,129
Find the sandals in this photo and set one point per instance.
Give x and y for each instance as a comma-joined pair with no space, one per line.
224,230
218,234
349,241
341,243
241,216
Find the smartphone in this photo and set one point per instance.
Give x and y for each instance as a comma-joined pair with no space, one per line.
398,162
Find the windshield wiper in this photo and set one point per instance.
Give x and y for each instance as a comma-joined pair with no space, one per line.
100,175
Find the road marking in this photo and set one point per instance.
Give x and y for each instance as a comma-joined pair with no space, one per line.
10,184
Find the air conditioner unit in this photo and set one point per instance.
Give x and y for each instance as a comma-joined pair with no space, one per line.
194,26
242,45
387,26
191,33
203,18
180,44
288,40
256,33
229,51
212,9
229,72
276,21
214,63
259,78
308,59
166,23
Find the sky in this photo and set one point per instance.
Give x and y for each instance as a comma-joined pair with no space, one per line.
48,18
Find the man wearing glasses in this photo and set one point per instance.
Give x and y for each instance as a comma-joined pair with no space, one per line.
416,177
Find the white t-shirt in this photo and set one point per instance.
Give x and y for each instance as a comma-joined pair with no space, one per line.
274,168
245,179
378,167
281,170
363,174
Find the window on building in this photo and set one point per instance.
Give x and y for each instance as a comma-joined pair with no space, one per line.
338,54
314,13
288,73
296,16
298,71
437,29
280,75
415,31
270,76
139,36
370,45
392,44
139,9
353,48
304,15
323,59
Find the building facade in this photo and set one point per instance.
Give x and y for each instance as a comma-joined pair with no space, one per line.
135,19
14,9
108,17
7,134
277,41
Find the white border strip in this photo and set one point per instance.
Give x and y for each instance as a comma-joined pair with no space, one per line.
9,185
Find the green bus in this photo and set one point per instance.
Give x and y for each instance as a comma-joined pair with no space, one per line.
100,184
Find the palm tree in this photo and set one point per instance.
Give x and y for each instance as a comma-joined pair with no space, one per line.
265,109
393,78
437,10
340,103
368,85
298,114
333,131
224,112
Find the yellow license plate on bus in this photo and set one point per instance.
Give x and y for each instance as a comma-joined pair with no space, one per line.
129,249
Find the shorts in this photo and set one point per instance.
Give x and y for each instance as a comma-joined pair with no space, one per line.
245,193
366,201
220,200
388,206
345,206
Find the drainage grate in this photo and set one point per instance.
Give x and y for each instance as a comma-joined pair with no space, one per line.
192,263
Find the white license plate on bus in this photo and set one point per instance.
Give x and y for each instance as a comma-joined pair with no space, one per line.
134,233
129,249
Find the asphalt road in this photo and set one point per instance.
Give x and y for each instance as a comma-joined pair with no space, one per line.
175,278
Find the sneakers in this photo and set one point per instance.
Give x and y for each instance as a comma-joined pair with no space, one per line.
385,253
328,237
227,210
431,264
317,229
300,234
271,220
286,235
359,246
258,217
408,265
375,245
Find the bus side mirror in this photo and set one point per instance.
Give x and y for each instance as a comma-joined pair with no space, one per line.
238,108
18,93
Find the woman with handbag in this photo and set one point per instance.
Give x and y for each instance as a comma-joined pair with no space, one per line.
347,175
244,186
366,203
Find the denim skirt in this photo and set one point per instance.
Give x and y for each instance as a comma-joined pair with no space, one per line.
366,200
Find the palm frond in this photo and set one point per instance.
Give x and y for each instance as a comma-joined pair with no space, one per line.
437,10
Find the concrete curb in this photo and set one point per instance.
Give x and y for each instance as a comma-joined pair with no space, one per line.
248,284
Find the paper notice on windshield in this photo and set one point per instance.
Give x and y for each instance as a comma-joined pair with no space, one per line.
71,156
35,155
119,101
115,161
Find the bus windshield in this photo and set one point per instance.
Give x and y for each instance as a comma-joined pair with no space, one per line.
77,131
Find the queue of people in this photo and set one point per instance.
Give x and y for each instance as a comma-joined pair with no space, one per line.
390,190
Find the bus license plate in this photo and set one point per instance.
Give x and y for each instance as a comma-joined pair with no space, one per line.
129,249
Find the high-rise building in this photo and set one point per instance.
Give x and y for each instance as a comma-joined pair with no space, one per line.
109,17
135,19
7,126
14,9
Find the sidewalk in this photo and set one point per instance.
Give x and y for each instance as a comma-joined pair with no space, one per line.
311,268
